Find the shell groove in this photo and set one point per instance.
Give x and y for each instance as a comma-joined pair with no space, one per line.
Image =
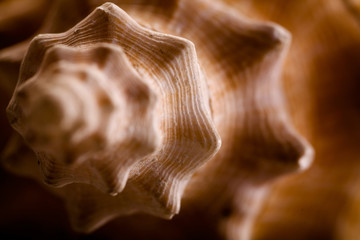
168,64
238,94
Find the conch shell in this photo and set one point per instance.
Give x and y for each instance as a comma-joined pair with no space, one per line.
81,111
139,113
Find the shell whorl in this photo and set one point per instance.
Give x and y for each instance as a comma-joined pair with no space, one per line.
80,110
237,93
167,64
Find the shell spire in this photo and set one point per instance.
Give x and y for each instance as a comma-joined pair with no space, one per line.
81,110
102,139
229,87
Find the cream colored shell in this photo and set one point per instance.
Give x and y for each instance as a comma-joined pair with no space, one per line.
237,93
88,116
63,108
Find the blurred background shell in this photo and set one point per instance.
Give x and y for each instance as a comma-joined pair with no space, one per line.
252,188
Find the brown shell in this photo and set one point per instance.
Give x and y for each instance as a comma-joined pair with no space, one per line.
240,84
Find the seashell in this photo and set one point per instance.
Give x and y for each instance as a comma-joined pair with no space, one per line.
70,113
238,94
40,109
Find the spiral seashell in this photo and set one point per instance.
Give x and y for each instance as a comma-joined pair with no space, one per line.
69,122
73,111
107,131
